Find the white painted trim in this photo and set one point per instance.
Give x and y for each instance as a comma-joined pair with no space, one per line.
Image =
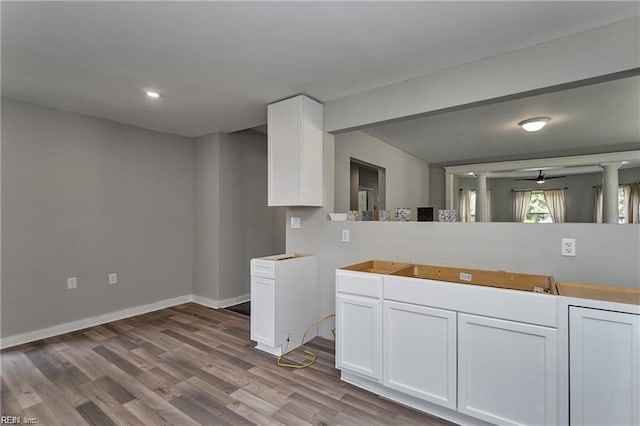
218,304
570,161
43,333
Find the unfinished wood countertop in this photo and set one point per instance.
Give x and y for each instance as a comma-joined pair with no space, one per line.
600,292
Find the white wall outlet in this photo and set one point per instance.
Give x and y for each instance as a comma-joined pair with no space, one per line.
72,282
295,223
345,235
568,247
113,278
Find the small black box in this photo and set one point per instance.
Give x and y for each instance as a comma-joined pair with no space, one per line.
425,214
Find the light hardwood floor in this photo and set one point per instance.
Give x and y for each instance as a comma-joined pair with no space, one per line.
180,366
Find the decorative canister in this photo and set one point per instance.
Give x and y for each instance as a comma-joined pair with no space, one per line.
367,215
403,214
447,215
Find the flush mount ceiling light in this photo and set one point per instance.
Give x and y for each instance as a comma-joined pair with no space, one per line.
534,124
153,94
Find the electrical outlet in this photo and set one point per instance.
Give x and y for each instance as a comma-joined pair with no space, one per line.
113,278
295,223
568,247
72,283
345,235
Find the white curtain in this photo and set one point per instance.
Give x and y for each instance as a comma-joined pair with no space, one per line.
597,204
632,202
521,200
465,205
555,201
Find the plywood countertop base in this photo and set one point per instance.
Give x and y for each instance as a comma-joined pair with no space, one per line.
600,292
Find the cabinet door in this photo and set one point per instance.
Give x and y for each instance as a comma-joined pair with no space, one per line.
507,371
420,352
284,137
604,367
295,152
263,310
359,335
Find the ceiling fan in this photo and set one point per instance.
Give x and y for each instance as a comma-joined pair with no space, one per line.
541,178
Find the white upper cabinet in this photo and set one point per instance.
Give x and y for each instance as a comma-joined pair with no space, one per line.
295,167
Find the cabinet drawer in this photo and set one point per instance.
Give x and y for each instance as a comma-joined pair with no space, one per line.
359,283
263,268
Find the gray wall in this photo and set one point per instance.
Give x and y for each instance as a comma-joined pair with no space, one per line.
578,196
407,177
628,175
606,254
248,227
85,197
232,221
207,217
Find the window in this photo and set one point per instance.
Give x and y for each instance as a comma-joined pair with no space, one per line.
628,203
622,210
472,205
538,210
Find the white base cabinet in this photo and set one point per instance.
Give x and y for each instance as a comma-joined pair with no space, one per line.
435,346
419,352
507,371
283,301
604,367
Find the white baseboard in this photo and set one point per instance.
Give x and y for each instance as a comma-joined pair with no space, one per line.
43,333
224,303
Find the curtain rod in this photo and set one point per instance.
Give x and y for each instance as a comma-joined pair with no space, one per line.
545,189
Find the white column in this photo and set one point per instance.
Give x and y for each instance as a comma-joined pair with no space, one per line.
610,192
449,193
481,198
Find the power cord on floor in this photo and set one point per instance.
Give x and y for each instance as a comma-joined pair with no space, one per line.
305,350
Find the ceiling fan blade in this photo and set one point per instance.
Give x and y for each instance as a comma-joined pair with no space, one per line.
553,177
531,179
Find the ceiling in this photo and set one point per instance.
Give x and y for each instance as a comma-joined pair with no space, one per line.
219,63
589,119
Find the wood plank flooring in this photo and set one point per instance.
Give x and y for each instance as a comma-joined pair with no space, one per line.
181,366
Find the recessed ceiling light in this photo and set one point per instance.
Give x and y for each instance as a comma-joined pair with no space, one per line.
152,94
534,124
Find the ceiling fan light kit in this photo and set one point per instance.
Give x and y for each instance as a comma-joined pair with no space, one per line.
534,124
541,178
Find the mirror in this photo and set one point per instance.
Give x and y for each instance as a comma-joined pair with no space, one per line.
587,118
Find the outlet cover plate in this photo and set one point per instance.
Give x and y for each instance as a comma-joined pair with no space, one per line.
295,223
569,247
72,282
